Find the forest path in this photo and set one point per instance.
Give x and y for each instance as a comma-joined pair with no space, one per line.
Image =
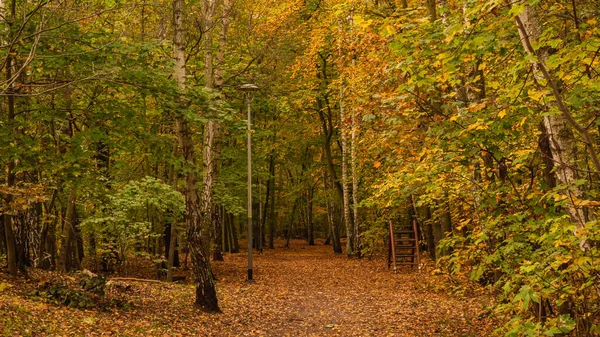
309,291
298,291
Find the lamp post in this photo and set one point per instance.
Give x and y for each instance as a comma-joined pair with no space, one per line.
248,89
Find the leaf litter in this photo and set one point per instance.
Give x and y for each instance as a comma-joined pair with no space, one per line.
298,291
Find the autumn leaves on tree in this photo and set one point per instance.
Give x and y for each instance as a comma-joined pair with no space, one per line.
476,121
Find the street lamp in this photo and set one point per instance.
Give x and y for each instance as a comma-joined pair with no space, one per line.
248,90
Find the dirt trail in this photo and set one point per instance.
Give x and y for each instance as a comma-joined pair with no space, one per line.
299,291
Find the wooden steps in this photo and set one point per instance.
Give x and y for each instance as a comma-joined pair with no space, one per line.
403,247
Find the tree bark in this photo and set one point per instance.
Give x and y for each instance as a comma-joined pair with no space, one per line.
218,221
353,159
445,220
225,20
333,224
431,9
272,218
547,159
291,224
234,236
11,251
167,242
171,256
424,214
212,129
560,135
309,217
346,196
68,231
206,295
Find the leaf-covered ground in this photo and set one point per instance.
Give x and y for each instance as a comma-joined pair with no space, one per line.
299,291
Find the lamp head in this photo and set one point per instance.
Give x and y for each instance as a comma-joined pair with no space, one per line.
248,87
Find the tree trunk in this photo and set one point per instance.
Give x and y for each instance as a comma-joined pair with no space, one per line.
218,221
68,231
346,194
225,20
208,10
272,218
11,251
234,236
547,159
2,234
226,243
445,220
171,254
290,224
431,10
353,155
424,213
212,131
261,217
558,126
331,219
206,295
309,217
167,242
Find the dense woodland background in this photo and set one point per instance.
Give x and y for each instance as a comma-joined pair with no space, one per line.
123,132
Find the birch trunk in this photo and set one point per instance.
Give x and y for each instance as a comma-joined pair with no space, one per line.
222,44
211,130
345,192
354,171
208,10
206,295
560,134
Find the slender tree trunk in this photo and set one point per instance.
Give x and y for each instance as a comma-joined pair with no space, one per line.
303,222
78,241
353,159
431,9
309,217
291,224
558,126
272,218
427,222
445,220
211,134
2,234
218,221
208,10
206,295
226,243
261,218
68,231
171,256
212,129
333,224
346,196
547,159
225,20
234,236
11,251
